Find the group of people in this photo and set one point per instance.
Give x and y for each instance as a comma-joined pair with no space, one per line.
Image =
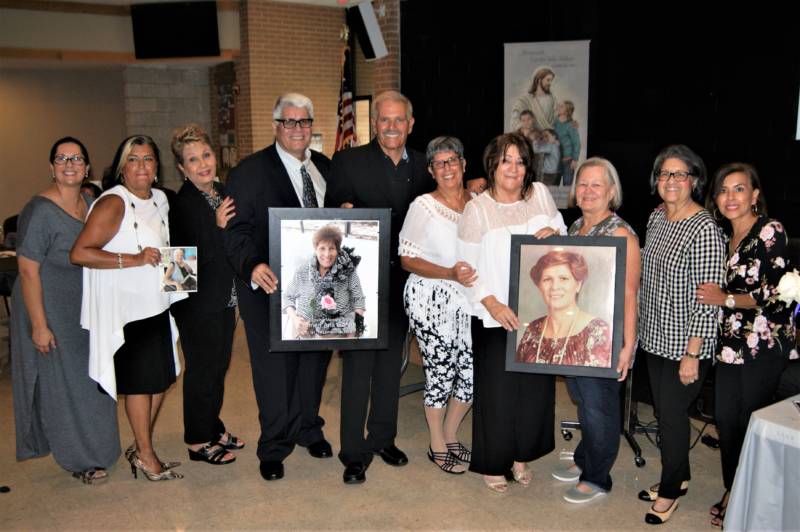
448,284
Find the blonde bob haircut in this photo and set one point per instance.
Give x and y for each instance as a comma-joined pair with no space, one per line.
611,175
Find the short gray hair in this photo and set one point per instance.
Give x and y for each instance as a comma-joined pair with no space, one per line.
394,96
292,99
443,144
611,175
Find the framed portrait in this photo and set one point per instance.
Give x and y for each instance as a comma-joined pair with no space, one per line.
568,293
178,269
333,272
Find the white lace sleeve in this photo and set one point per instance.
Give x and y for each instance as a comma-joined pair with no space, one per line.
470,233
413,235
544,201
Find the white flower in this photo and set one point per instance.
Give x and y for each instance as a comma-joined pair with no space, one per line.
734,259
766,233
760,324
789,287
733,323
752,340
779,262
728,355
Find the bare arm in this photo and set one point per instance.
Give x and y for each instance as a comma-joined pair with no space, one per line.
100,228
42,336
633,266
460,272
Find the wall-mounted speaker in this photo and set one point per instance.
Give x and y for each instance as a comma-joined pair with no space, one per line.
363,23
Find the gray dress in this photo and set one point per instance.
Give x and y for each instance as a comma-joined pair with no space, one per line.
57,407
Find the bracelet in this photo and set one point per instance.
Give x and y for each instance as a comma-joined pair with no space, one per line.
693,356
119,260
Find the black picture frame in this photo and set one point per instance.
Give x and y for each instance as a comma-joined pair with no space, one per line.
291,254
600,298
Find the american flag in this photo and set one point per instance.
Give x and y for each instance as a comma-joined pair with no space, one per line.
346,129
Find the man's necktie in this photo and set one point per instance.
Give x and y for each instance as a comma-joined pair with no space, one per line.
309,196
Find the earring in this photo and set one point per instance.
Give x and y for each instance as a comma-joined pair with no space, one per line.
155,180
754,208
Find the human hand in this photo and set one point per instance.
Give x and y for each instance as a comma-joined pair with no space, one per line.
710,294
689,370
625,363
300,326
148,256
43,339
346,205
544,232
503,315
463,273
225,212
264,277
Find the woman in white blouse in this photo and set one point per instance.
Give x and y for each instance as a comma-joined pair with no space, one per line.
437,310
514,413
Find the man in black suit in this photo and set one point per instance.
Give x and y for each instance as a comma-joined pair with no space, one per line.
288,386
382,174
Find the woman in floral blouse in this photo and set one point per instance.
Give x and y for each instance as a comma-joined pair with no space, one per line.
757,332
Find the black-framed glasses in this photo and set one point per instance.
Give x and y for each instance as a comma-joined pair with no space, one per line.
451,161
680,177
291,123
61,160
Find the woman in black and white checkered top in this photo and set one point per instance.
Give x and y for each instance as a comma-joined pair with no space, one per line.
683,248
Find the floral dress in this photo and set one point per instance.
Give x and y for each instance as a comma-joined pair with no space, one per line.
755,268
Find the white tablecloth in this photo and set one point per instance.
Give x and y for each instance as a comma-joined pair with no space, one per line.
766,490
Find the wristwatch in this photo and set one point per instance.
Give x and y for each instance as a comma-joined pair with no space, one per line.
693,356
730,302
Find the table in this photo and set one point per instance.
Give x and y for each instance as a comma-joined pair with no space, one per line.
766,490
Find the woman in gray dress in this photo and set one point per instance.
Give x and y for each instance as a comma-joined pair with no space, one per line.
57,406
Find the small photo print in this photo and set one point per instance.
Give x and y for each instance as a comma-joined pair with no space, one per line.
178,269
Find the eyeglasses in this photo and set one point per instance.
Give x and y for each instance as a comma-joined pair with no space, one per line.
291,123
680,177
61,160
452,161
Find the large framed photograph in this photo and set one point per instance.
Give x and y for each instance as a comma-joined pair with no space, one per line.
333,271
568,293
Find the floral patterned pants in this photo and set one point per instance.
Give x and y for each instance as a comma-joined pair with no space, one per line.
438,318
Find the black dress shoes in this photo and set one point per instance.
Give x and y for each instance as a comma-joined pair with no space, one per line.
393,456
320,449
271,470
355,473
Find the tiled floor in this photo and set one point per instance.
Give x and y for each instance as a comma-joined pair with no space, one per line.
312,496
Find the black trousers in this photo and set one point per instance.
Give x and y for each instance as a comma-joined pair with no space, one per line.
671,400
288,390
371,379
207,340
740,390
513,414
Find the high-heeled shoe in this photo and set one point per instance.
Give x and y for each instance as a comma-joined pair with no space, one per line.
497,486
164,465
137,464
446,461
652,517
651,493
523,477
718,510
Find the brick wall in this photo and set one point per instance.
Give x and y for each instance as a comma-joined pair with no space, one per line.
159,99
286,47
386,71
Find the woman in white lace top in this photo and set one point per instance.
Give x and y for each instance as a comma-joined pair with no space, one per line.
438,311
513,413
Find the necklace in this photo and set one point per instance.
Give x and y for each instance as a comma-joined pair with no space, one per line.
556,359
164,230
